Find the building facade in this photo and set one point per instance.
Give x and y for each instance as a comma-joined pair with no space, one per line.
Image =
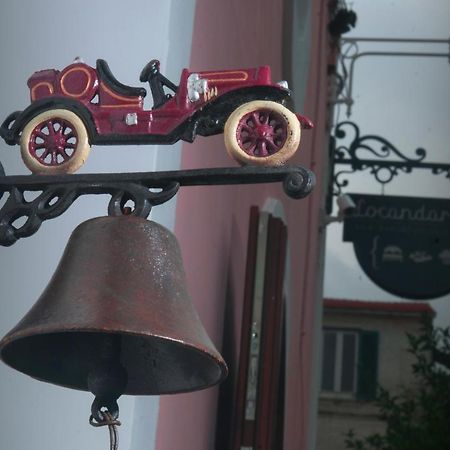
364,345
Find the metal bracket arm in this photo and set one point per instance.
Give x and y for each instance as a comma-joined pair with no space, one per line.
142,190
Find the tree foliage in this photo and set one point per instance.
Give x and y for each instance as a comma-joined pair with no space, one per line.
418,418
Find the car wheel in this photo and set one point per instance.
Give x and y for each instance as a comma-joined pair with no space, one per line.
55,141
262,133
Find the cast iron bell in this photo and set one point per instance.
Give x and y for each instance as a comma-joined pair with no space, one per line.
117,307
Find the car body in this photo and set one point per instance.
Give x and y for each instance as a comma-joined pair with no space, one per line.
81,106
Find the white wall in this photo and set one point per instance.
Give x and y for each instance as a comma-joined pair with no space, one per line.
49,34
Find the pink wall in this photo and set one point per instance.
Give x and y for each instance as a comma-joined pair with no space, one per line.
212,222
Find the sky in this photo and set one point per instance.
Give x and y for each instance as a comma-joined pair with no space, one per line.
407,101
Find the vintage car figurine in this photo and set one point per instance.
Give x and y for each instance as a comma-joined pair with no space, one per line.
80,106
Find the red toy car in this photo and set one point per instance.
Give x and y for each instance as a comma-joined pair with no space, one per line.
80,106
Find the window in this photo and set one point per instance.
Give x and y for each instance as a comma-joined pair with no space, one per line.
350,362
339,361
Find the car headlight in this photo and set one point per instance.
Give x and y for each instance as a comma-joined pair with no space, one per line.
196,86
283,84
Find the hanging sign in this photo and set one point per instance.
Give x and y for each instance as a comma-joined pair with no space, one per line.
402,243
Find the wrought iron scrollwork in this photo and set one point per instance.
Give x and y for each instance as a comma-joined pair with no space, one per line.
368,143
140,196
379,160
49,204
55,199
21,216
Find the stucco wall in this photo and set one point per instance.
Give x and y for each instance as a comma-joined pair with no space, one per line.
212,223
338,414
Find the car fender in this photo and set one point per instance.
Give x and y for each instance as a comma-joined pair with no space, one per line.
212,117
14,123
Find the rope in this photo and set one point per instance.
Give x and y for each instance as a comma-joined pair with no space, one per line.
112,424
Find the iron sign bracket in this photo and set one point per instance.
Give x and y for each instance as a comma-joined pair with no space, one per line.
380,163
349,54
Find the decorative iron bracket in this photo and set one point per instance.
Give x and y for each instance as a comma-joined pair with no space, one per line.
143,190
382,167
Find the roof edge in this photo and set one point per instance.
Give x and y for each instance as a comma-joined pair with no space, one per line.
379,306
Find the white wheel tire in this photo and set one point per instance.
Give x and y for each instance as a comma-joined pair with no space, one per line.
80,153
281,156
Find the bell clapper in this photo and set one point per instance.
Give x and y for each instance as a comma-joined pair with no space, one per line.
107,380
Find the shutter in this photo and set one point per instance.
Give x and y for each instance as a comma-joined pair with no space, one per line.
239,430
367,365
271,334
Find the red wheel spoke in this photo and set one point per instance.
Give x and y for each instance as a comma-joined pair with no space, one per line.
51,130
41,135
39,146
255,117
245,127
44,155
251,149
64,155
271,144
70,145
250,141
249,137
69,135
262,149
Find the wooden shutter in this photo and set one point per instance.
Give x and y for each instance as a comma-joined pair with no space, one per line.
258,425
271,336
367,365
241,431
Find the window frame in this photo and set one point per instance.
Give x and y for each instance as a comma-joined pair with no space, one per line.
337,391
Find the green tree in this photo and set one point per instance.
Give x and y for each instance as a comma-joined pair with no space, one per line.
418,418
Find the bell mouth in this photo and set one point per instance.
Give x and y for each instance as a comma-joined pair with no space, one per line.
154,364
